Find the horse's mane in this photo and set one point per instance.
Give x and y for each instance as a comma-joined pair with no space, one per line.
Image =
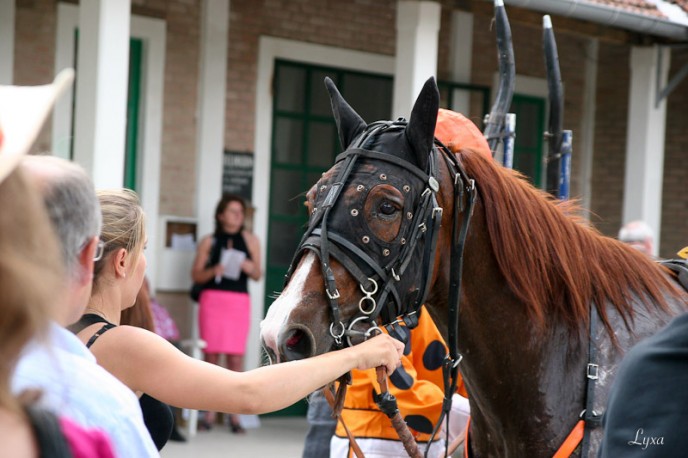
553,260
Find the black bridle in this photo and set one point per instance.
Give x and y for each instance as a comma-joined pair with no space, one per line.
379,274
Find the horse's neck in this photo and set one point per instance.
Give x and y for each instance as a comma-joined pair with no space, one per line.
526,390
507,366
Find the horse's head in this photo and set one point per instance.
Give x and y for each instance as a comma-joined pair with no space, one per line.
367,255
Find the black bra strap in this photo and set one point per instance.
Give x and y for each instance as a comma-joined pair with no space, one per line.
99,333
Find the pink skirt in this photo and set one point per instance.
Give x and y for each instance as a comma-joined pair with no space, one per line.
223,320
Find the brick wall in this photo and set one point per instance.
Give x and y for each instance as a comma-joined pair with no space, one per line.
178,160
610,137
34,51
364,25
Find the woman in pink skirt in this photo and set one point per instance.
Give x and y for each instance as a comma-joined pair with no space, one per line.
224,262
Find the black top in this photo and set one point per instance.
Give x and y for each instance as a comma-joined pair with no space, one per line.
156,414
226,241
646,415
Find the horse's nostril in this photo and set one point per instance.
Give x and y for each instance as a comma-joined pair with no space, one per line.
294,340
296,344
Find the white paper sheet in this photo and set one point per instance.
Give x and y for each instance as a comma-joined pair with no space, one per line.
231,259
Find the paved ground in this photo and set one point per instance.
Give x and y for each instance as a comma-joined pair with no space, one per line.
276,437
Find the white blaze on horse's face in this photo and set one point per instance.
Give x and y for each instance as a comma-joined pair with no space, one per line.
280,310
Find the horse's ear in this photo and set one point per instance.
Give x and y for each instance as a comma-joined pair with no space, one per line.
349,123
420,130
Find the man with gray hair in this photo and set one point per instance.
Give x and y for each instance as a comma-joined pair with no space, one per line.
639,235
63,369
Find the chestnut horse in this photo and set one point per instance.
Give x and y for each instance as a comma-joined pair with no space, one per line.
389,230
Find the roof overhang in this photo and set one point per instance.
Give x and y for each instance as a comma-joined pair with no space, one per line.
675,29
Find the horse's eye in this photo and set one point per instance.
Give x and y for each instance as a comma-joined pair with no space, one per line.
387,208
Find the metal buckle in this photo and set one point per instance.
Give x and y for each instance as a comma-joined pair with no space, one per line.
434,185
368,297
334,295
350,332
593,371
471,185
373,329
337,337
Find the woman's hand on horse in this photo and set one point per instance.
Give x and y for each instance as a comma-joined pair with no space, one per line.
381,350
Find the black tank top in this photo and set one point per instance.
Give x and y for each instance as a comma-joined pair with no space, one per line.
225,240
156,414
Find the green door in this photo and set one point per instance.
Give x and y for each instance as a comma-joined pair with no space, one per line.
304,145
528,147
133,104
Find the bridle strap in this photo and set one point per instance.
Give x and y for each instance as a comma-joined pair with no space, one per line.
450,367
378,156
591,417
315,242
328,275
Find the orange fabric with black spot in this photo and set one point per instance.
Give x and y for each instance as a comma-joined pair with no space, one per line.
457,132
417,385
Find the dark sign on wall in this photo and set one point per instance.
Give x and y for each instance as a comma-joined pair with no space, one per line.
237,175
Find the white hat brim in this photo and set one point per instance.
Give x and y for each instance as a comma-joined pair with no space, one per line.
23,111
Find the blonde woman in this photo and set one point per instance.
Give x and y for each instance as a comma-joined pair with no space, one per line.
149,364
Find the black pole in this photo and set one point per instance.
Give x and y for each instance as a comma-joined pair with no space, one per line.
494,124
556,107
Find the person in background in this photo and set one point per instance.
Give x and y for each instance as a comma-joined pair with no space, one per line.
321,426
224,304
639,235
149,364
31,276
